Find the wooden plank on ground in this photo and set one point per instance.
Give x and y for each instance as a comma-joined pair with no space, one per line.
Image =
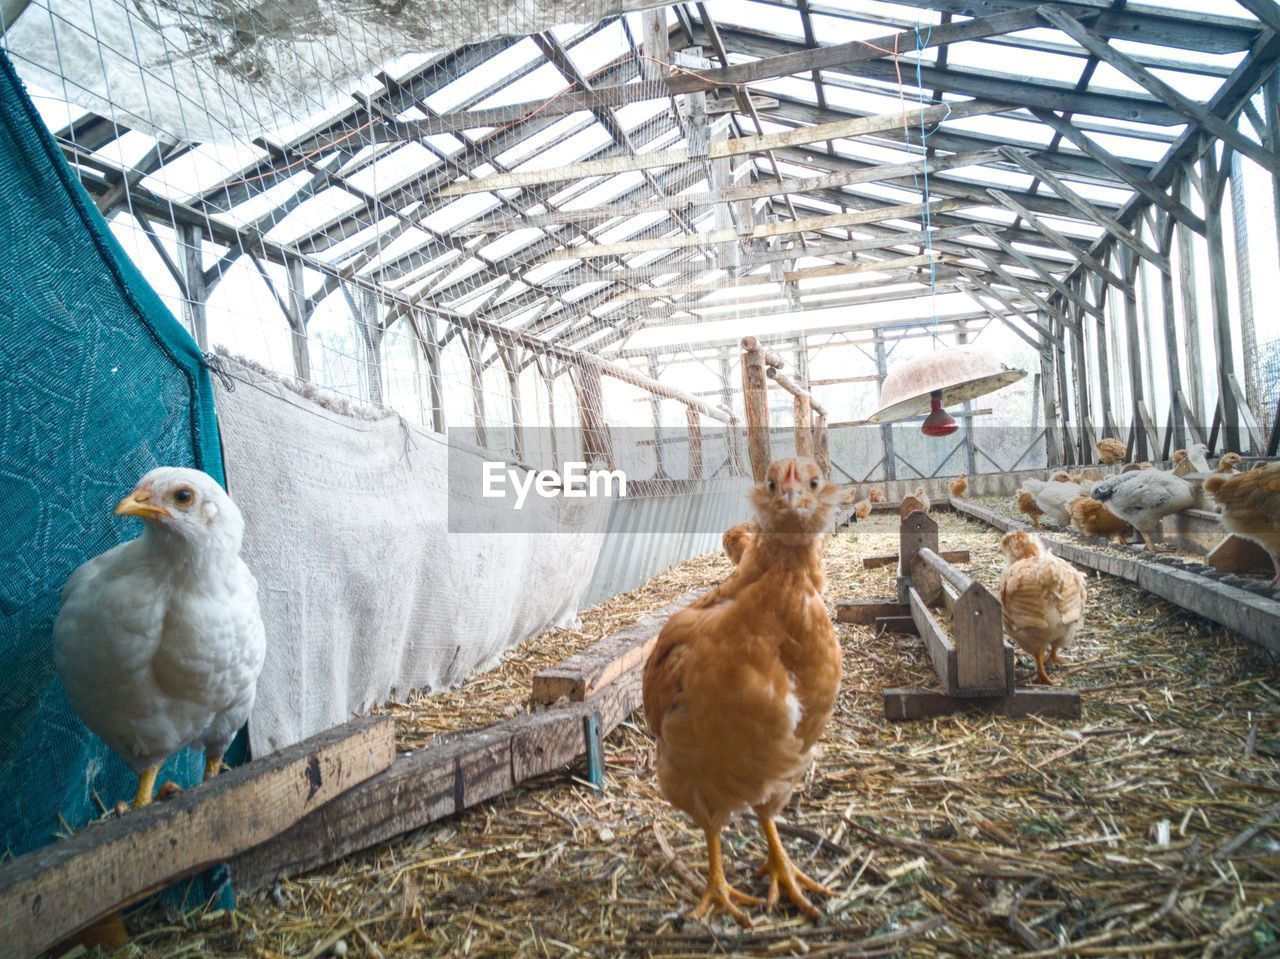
584,673
1253,615
890,559
450,774
1026,701
48,894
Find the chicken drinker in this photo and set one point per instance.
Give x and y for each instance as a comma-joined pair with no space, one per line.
931,382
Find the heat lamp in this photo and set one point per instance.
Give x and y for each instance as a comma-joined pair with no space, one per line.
933,381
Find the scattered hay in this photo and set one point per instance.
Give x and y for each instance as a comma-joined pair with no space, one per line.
1145,829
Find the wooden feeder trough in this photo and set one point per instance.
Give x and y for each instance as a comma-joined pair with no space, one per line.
976,667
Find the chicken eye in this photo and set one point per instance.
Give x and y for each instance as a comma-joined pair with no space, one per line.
813,483
773,487
183,497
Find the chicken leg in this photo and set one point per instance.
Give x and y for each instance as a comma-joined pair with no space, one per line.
1041,676
212,766
718,894
146,786
783,873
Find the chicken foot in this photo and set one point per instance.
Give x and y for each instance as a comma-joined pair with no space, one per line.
212,766
1041,676
719,896
146,786
783,873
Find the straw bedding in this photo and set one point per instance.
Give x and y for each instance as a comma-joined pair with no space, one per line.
1147,828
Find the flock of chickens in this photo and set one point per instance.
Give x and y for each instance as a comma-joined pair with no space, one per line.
159,642
1140,496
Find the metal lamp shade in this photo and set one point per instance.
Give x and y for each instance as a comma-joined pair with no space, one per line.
959,374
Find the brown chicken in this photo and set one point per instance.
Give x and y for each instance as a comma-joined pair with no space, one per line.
1077,478
1229,463
1027,504
1042,599
875,494
1111,451
1093,519
862,508
736,541
742,682
959,485
1251,507
1061,476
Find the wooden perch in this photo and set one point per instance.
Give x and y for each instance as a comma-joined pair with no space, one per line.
586,673
48,894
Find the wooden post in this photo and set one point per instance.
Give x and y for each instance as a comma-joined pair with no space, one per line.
1220,296
979,640
886,429
471,343
1244,277
803,427
755,401
1129,266
695,443
970,452
507,354
298,317
822,446
363,305
1053,456
424,329
596,444
189,241
1190,306
1103,364
655,405
656,45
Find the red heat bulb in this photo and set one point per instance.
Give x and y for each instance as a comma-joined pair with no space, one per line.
939,422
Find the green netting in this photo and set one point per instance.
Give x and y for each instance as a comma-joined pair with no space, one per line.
98,384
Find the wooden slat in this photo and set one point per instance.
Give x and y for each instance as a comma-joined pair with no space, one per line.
936,642
450,774
981,667
889,559
863,612
1254,616
586,673
50,893
741,146
900,704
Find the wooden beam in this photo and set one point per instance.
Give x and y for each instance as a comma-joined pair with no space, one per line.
586,673
1054,237
783,228
742,146
1022,286
50,893
691,201
1120,168
755,403
1105,221
1196,113
905,704
1044,275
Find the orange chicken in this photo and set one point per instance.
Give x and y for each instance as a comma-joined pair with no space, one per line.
1229,463
1093,519
1042,599
1111,451
862,508
741,683
736,540
1251,507
1027,504
875,494
959,485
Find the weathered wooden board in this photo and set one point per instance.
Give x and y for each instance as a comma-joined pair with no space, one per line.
450,774
1235,554
48,894
1026,701
863,612
984,664
1253,615
583,674
889,559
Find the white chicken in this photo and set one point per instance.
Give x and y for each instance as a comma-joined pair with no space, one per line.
1052,497
159,641
1144,497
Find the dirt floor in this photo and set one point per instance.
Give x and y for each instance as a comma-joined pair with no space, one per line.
1147,828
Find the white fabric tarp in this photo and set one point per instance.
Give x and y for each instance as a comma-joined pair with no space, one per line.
364,591
202,71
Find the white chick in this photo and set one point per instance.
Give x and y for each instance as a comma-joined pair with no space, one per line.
1144,497
159,641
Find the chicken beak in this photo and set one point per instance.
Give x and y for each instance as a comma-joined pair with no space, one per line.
138,503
